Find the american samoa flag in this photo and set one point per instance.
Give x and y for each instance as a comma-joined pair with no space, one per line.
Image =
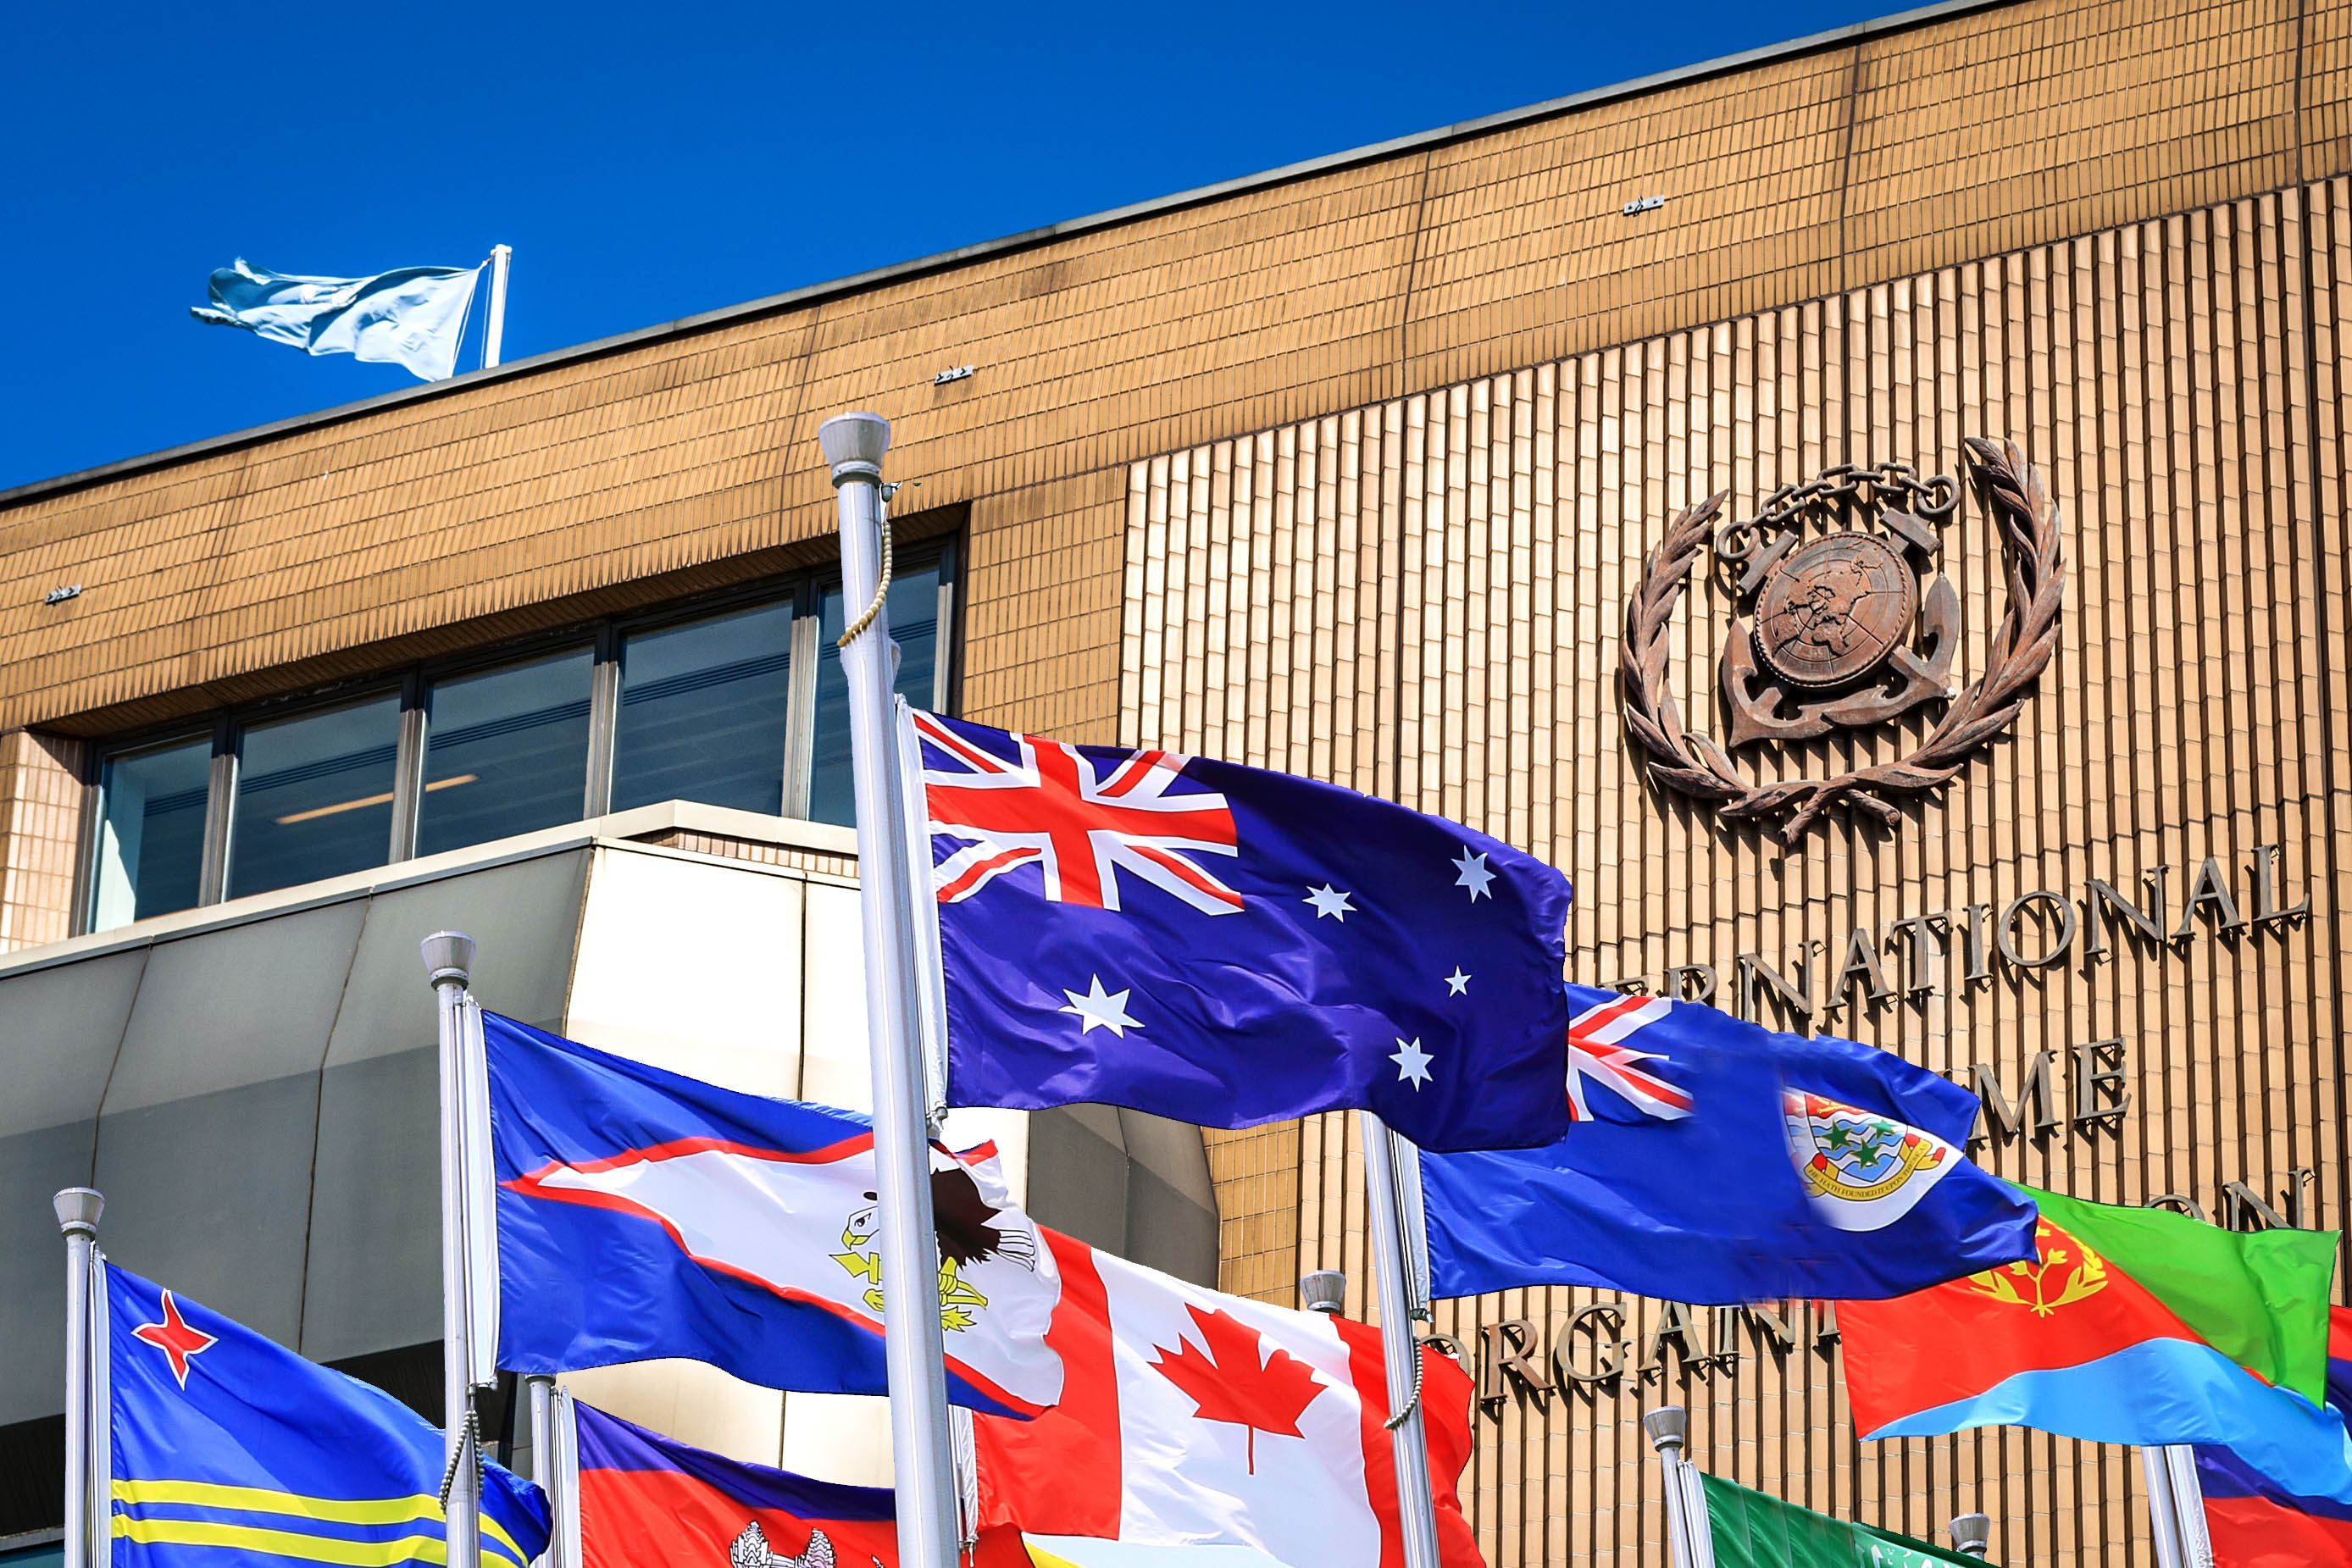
1081,822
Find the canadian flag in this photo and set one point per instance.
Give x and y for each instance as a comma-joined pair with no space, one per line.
1191,1417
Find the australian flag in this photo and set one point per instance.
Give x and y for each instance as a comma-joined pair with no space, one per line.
1228,945
1715,1161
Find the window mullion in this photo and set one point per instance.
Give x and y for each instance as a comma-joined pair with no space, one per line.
800,735
603,716
407,768
93,811
220,806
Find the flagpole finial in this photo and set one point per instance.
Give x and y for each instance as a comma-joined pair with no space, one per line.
854,444
77,1210
1324,1290
448,959
1972,1532
1666,1426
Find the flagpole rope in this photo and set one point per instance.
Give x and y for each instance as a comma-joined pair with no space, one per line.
881,587
469,1436
1412,1402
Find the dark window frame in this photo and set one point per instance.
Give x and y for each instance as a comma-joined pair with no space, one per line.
604,636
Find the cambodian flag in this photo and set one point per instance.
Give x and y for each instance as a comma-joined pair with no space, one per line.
2128,1325
1228,946
642,1214
2255,1522
649,1502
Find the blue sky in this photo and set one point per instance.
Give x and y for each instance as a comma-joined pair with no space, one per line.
648,162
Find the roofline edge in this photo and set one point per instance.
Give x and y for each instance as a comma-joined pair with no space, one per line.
1027,239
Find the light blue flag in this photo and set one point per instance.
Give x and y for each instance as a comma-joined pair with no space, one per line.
412,317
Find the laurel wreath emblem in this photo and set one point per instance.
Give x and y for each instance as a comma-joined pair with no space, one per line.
1695,765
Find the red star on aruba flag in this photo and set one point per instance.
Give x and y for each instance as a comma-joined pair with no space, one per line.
176,1338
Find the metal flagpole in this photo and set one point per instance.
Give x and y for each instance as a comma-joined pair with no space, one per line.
922,1464
2163,1509
494,333
2176,1505
546,1468
1686,1523
1403,1298
467,1343
78,1208
564,1468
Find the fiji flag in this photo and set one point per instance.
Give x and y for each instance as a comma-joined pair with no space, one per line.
642,1214
1715,1161
229,1452
1228,945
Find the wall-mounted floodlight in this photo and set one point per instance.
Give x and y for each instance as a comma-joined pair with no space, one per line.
1647,204
960,372
59,595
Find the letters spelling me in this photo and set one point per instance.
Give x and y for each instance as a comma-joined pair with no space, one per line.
2034,931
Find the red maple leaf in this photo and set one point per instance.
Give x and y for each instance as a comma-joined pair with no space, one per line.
1228,1383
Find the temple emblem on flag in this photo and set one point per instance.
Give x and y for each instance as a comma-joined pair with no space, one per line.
751,1549
1080,827
2063,1271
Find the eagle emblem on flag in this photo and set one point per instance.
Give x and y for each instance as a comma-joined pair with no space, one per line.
1083,823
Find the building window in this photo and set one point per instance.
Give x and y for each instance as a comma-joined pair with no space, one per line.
738,702
915,599
150,832
505,752
706,712
313,796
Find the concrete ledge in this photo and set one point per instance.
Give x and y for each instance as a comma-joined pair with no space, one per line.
644,822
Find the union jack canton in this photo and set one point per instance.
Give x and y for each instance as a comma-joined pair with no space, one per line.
1230,946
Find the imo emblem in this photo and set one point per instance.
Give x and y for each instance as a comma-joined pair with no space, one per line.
1842,619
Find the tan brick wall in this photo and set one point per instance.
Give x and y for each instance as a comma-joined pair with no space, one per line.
255,568
40,816
2178,384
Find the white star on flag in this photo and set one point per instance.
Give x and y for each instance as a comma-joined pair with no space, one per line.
1457,983
1328,900
1474,875
1098,1008
1413,1062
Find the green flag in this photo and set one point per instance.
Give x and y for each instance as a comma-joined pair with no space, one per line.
2259,1299
1751,1530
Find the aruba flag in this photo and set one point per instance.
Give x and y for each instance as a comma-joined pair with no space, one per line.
2252,1522
230,1452
2129,1325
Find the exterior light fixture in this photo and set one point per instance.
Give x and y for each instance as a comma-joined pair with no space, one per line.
958,373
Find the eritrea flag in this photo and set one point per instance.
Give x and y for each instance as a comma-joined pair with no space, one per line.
2253,1522
2130,1325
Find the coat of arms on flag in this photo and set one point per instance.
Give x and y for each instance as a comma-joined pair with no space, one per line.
1863,1170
